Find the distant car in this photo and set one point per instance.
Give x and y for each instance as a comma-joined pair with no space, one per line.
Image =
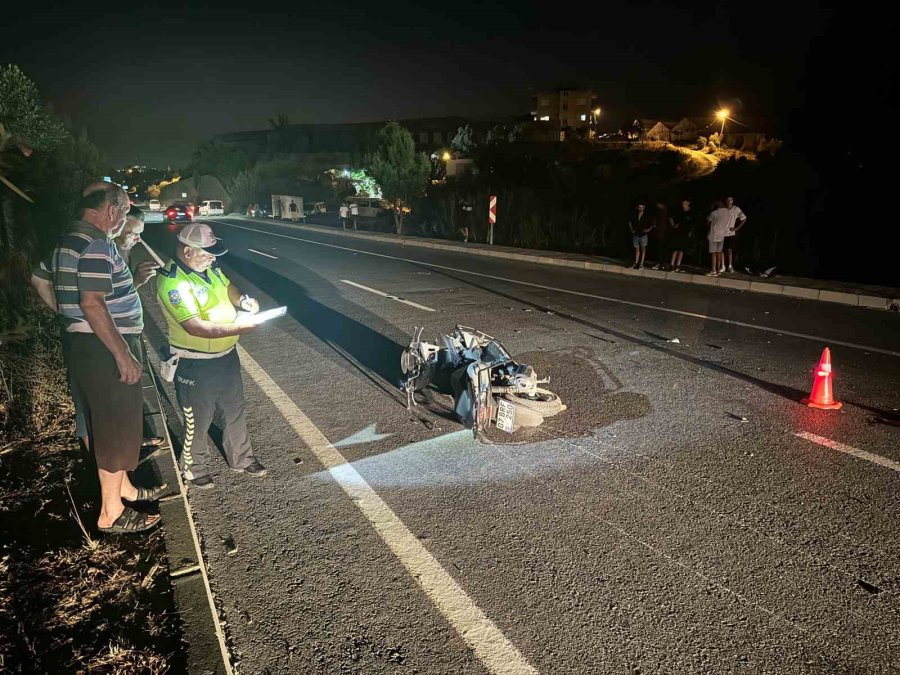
212,207
318,207
180,212
154,205
369,207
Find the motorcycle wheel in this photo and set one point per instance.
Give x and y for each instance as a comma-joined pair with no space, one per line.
543,401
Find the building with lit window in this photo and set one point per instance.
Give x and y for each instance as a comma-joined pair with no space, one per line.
565,111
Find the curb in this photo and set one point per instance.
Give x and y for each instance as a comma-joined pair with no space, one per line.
202,632
852,299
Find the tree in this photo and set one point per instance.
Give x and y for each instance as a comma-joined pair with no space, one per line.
399,169
219,160
25,125
26,119
464,141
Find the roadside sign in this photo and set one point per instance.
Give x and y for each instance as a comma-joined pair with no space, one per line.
492,217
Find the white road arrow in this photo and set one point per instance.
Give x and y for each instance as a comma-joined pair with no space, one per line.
367,435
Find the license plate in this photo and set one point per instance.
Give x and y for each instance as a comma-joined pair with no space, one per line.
506,414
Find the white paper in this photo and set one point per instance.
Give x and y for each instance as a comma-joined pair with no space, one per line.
260,317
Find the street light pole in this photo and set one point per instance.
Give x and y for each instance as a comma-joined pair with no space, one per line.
723,115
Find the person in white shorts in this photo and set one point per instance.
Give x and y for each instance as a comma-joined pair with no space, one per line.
718,221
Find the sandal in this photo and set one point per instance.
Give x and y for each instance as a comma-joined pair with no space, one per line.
131,521
148,494
153,442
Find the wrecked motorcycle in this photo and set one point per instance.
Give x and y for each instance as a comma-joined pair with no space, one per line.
487,385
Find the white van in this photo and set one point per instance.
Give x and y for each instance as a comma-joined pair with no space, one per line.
212,207
369,207
154,205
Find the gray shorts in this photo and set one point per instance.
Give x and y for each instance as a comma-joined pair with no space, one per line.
715,246
639,240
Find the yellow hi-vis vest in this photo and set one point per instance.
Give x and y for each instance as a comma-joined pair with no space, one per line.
183,294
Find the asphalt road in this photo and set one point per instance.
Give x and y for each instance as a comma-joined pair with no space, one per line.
646,528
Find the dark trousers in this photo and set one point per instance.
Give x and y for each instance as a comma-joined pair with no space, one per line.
112,411
204,387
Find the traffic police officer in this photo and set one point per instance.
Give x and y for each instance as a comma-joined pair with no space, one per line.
200,304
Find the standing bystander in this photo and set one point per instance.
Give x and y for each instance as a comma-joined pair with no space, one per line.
95,295
639,225
682,230
736,220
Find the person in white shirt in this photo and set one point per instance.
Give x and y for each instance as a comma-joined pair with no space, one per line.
718,221
736,220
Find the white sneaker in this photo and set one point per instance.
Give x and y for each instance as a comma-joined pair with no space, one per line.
730,269
712,274
721,270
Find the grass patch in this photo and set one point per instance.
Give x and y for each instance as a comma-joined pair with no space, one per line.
70,601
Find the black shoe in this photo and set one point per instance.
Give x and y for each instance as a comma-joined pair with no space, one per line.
203,482
254,469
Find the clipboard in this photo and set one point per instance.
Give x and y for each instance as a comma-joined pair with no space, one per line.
245,318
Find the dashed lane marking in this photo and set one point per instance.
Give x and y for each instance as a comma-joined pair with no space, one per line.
850,450
704,317
386,295
491,647
253,250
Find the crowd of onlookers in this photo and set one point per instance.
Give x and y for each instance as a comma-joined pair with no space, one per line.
667,236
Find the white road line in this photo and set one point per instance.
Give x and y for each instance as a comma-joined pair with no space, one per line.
704,317
385,295
253,250
491,647
850,450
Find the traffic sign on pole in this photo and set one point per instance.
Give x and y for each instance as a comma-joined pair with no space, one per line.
492,218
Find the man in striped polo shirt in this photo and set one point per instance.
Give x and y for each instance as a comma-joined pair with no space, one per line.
94,294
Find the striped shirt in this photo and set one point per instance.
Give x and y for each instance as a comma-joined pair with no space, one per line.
85,260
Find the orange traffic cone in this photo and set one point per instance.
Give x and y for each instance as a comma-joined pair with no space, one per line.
821,395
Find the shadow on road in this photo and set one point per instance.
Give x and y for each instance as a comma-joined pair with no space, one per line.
363,348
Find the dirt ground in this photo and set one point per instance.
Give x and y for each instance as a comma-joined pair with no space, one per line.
70,600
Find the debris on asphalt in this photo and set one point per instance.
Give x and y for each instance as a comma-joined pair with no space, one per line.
526,310
867,587
709,344
297,460
231,548
551,313
739,418
674,341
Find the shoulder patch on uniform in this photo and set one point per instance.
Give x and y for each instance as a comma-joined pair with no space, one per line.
175,297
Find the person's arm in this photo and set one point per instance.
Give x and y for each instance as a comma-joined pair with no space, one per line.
234,295
44,289
144,272
93,304
741,220
206,329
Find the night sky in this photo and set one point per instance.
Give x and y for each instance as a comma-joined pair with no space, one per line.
148,82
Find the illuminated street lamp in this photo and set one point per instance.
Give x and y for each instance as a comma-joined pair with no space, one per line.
446,156
723,115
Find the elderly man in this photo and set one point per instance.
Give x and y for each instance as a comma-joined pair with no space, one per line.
93,291
200,304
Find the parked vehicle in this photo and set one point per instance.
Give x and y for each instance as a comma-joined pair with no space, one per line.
212,207
318,207
154,205
180,212
369,207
